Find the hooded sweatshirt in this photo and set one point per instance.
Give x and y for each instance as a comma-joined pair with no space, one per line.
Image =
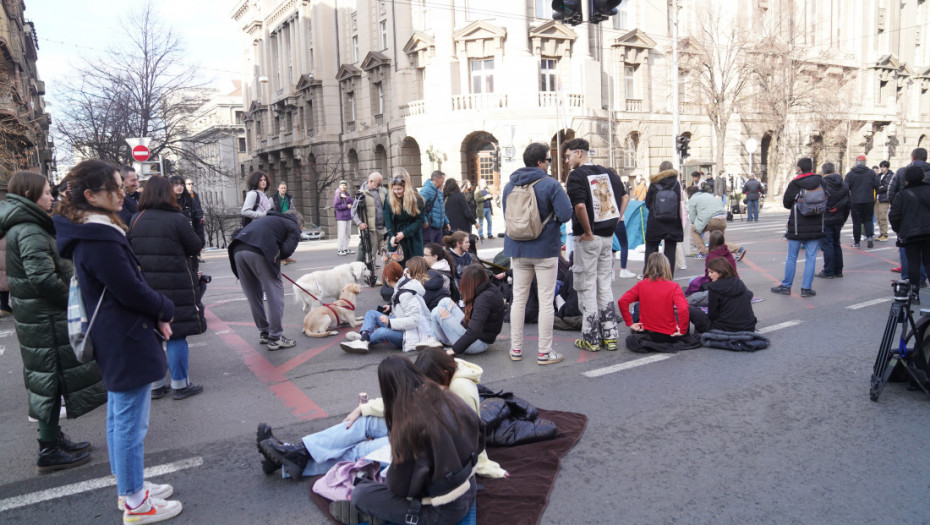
437,286
838,202
411,315
802,227
550,199
729,306
465,385
862,182
720,251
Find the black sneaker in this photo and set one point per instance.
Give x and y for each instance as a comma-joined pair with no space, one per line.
188,391
869,243
782,289
160,392
823,275
263,338
807,292
293,458
279,343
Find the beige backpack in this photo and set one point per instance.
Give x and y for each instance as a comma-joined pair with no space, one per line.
521,218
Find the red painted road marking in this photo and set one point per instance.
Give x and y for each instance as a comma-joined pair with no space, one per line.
764,272
273,377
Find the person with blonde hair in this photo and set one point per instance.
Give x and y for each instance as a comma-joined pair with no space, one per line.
404,217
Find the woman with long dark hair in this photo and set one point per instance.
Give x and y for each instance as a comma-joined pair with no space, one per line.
472,330
435,442
461,214
166,246
403,217
39,281
257,204
132,321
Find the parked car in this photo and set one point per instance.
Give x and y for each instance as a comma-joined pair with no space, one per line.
312,232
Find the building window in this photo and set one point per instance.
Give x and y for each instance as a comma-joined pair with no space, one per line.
377,98
241,144
482,75
384,35
239,117
547,74
355,48
543,9
621,19
629,81
350,107
629,152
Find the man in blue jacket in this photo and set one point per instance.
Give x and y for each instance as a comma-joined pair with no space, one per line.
538,257
255,255
436,220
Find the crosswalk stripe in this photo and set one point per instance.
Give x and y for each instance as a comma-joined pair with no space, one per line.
867,303
778,326
597,372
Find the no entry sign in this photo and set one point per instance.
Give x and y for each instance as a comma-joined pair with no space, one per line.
140,153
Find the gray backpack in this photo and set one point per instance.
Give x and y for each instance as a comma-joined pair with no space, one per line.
521,218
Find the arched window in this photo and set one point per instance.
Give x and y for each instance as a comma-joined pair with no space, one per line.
630,144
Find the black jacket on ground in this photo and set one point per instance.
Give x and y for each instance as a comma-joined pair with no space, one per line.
862,182
164,243
729,306
275,236
487,318
657,230
910,214
897,182
802,227
838,203
461,216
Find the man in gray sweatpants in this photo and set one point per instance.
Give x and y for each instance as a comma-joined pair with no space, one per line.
255,255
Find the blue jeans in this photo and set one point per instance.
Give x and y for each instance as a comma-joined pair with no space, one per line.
487,218
832,250
127,424
380,333
752,210
903,256
450,329
338,443
810,263
178,353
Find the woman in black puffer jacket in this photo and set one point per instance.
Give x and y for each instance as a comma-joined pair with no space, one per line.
660,230
910,219
164,242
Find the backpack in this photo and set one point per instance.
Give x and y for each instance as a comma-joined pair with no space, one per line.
78,325
521,218
812,202
665,205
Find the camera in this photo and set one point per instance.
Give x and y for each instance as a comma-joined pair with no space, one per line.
205,279
901,290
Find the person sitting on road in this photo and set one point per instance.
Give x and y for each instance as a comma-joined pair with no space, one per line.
717,249
364,431
457,244
441,277
472,330
405,322
729,302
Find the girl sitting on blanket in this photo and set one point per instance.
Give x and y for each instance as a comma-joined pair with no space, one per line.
664,313
716,249
472,330
729,302
364,430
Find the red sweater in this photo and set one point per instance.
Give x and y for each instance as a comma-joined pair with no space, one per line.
655,306
720,251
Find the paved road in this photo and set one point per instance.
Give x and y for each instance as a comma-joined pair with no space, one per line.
784,435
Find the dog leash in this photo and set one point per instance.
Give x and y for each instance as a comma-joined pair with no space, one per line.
350,307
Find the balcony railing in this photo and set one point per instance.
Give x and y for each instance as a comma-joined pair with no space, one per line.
417,107
480,101
634,105
553,99
688,108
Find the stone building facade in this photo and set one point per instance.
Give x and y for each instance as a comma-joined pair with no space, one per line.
337,89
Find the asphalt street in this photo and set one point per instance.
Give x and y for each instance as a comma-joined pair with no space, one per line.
783,435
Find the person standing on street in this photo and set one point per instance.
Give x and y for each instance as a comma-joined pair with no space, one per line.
368,215
599,201
130,192
460,214
255,255
838,205
862,182
434,213
282,202
664,222
537,257
483,199
881,199
752,189
133,320
342,203
910,219
803,230
720,187
38,283
639,190
256,203
404,218
918,158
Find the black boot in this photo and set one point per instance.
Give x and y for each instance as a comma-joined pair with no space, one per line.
52,458
292,458
69,446
269,465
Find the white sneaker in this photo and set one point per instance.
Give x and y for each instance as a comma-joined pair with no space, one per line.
626,274
354,347
155,490
152,510
431,342
353,336
683,267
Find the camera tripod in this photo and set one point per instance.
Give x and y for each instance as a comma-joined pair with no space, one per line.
888,357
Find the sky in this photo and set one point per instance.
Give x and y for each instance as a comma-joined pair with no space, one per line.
71,30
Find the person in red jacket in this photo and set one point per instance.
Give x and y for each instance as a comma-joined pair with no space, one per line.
663,309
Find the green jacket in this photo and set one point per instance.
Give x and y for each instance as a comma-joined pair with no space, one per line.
411,226
39,283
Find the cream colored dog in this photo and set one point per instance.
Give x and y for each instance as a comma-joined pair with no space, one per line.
319,321
328,284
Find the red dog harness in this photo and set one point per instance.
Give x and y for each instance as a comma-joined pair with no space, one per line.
330,306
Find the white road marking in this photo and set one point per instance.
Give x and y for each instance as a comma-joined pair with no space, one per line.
193,345
867,250
778,326
598,372
221,332
7,333
868,303
93,484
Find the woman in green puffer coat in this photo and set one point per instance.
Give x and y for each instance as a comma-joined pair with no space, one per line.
39,283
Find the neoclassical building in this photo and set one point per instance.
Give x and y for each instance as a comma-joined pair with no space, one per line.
339,88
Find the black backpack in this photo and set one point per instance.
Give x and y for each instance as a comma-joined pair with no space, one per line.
665,205
812,202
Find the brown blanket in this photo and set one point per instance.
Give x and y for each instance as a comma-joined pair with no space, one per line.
521,498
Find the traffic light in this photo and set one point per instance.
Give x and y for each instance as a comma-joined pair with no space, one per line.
681,145
603,9
567,11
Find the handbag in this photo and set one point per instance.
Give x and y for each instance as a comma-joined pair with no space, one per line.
339,481
78,325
